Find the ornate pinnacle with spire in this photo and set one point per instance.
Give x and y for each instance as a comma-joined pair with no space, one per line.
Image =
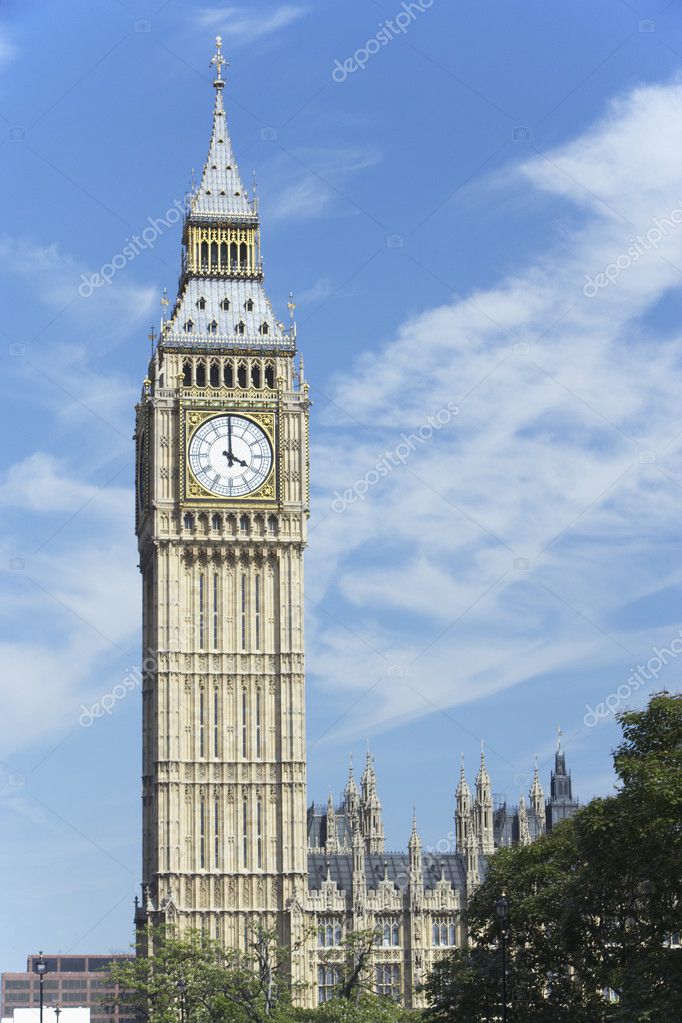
524,832
332,840
463,818
416,868
463,789
537,797
483,809
370,808
218,60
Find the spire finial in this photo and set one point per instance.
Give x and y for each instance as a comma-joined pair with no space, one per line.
291,306
461,769
482,753
218,60
164,306
559,733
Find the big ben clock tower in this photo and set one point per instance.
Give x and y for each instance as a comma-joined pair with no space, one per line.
222,503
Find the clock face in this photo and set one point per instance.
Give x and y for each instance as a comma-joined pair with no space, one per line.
230,455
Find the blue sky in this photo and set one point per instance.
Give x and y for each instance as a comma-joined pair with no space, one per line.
481,227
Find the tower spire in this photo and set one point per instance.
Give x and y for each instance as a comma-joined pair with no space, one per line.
537,798
370,808
217,60
524,831
483,808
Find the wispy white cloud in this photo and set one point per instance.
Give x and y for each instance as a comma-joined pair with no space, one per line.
246,24
313,182
41,483
504,543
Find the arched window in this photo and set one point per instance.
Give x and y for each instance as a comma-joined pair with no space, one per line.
188,520
225,304
233,255
228,375
187,374
244,523
216,522
272,525
264,328
248,305
269,375
444,932
212,327
201,374
201,303
243,255
241,374
240,327
214,374
214,253
204,255
189,326
329,933
223,254
255,375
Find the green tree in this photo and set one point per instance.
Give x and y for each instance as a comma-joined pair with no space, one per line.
592,904
192,978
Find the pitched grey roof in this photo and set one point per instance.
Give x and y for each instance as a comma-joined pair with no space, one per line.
397,869
239,293
221,193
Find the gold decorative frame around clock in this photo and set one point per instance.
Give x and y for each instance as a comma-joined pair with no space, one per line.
192,492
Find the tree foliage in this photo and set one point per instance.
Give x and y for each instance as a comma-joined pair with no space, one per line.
593,904
192,978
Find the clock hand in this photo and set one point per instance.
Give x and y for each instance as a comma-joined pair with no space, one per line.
231,459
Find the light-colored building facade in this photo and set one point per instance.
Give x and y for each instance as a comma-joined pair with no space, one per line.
222,507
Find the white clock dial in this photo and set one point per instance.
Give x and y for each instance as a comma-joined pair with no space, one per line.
230,455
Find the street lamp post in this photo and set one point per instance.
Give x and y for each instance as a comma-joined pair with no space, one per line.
182,988
41,970
503,917
58,1012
